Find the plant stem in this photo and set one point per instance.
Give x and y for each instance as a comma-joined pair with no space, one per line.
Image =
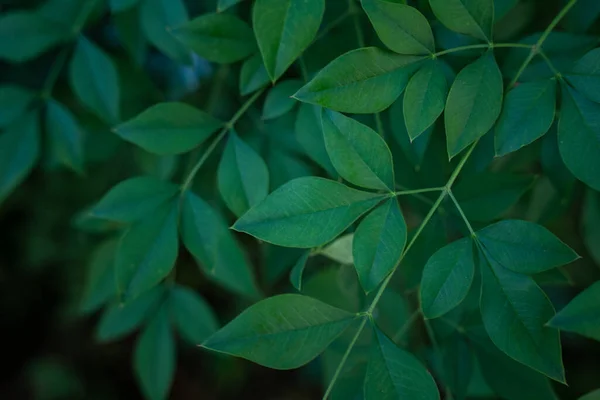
460,48
406,326
379,124
416,191
55,69
462,213
550,64
360,36
329,27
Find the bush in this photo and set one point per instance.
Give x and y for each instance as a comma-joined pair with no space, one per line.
393,195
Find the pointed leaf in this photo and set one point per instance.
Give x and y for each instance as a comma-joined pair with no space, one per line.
223,5
101,281
585,75
158,17
593,395
306,212
309,133
279,100
340,250
281,332
470,17
14,102
298,271
253,75
415,149
581,314
190,314
66,137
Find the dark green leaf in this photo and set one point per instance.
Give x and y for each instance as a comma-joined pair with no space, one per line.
378,244
582,15
129,31
473,104
298,271
470,17
447,278
590,223
401,28
158,18
253,75
585,75
361,81
14,102
223,5
309,133
94,80
222,38
284,29
169,128
155,357
19,151
581,315
413,150
357,152
425,98
306,212
66,137
207,236
243,177
395,374
147,251
101,281
191,315
122,5
133,199
593,395
457,360
279,99
281,332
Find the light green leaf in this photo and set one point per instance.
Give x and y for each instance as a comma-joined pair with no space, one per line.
121,5
585,75
514,310
253,75
281,332
66,137
378,244
133,199
396,374
401,28
590,223
357,152
155,357
100,284
309,133
447,278
525,247
340,250
221,38
578,133
94,80
120,320
207,236
19,152
425,98
298,270
169,128
223,5
190,314
284,29
527,114
306,212
363,81
25,35
147,252
158,17
243,177
14,102
470,17
581,315
279,100
473,104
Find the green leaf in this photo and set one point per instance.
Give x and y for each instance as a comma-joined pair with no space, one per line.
527,114
473,104
396,374
26,35
155,357
585,75
221,38
207,236
14,102
134,199
469,17
158,17
243,177
425,98
401,28
357,152
223,5
363,81
514,310
253,75
582,16
486,196
447,278
169,128
121,5
457,361
525,247
284,29
298,270
95,81
590,223
593,395
309,133
340,250
281,332
129,31
414,150
306,212
147,252
279,100
378,244
19,152
100,286
66,137
120,320
581,314
191,315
